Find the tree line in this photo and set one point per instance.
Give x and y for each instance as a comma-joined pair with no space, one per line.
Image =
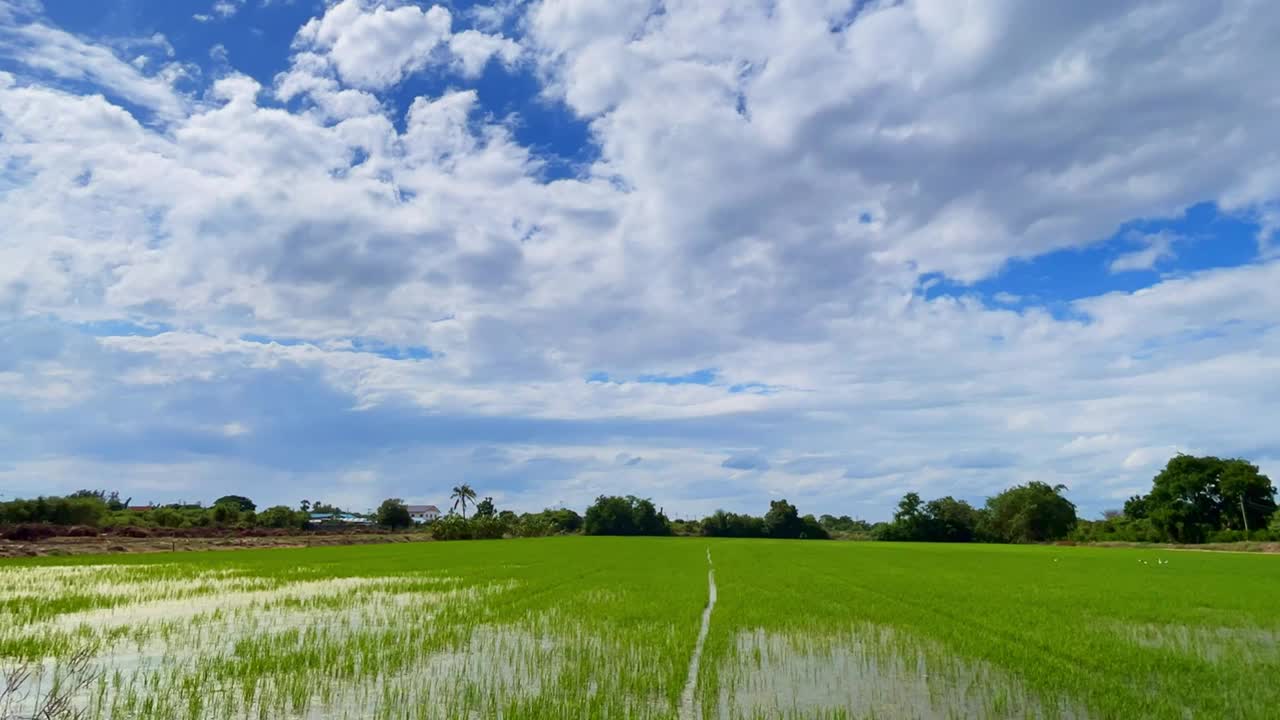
107,511
1034,512
1192,500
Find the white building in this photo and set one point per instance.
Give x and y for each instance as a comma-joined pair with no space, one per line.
423,513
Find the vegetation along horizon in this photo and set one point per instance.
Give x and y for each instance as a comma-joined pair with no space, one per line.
734,620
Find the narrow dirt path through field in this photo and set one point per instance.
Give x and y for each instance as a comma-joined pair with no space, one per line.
688,698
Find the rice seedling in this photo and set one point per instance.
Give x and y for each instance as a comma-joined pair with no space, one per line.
608,627
990,631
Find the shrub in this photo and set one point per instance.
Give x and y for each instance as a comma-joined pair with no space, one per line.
78,510
811,529
487,528
630,515
451,527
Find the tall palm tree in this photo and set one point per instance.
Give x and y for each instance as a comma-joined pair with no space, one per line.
463,494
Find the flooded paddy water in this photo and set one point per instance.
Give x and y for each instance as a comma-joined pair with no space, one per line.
179,641
868,672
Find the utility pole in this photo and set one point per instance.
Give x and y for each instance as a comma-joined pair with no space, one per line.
1244,517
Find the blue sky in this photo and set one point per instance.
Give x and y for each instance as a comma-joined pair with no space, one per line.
711,253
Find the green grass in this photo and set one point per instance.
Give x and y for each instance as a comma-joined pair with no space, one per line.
604,628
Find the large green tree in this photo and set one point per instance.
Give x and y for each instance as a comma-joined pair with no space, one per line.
242,503
1249,495
1194,496
951,520
393,513
1034,512
610,515
630,515
909,521
782,520
945,519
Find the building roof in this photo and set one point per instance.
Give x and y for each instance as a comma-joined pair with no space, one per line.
422,508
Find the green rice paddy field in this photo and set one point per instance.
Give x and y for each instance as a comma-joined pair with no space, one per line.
614,628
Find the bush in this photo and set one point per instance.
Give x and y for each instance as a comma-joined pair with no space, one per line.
125,518
686,527
727,524
845,525
630,515
282,516
782,521
225,514
811,529
451,527
1230,536
1116,529
487,528
531,525
80,510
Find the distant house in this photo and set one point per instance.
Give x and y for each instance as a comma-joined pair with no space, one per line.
423,513
341,517
141,508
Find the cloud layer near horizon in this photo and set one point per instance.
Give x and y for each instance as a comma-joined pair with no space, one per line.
303,287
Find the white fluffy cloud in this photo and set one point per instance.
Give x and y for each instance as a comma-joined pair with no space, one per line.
773,180
374,44
473,49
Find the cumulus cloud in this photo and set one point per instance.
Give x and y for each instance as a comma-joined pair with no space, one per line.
772,183
374,47
374,44
472,50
